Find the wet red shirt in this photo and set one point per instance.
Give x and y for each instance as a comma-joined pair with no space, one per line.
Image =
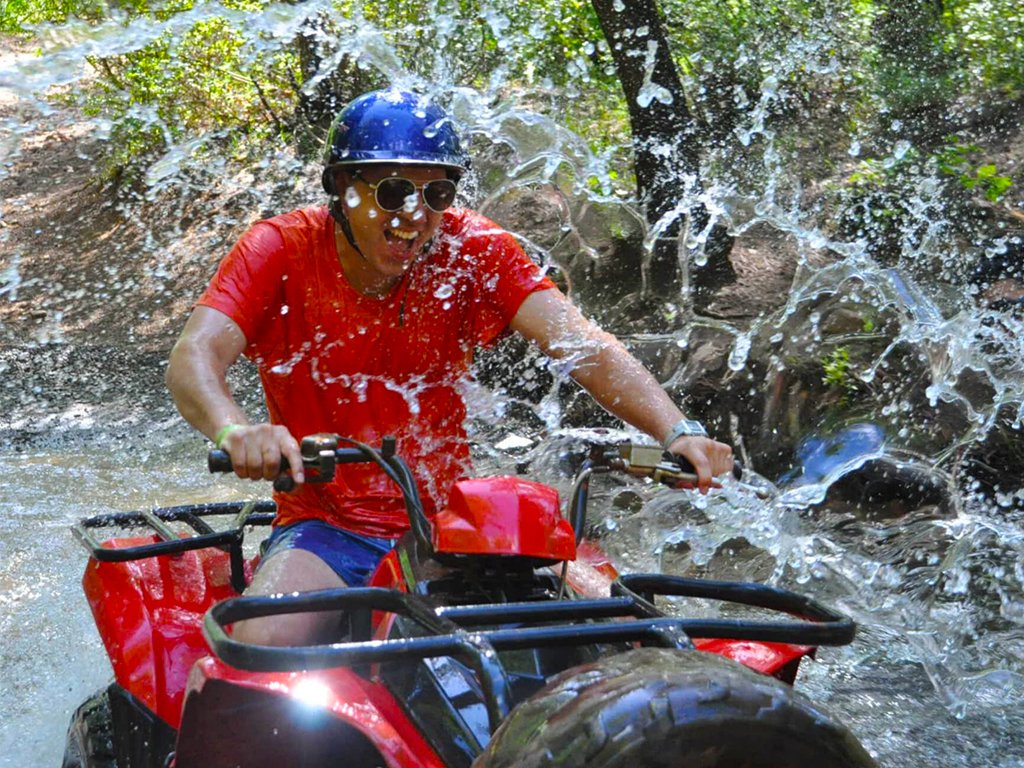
333,360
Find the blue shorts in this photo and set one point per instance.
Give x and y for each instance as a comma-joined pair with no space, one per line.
352,556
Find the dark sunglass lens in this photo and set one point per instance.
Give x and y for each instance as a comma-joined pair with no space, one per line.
393,192
439,194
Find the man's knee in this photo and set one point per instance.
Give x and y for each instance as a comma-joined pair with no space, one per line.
289,629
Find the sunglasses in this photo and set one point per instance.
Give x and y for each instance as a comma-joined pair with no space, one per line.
392,193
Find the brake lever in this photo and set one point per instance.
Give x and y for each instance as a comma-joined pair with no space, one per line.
667,468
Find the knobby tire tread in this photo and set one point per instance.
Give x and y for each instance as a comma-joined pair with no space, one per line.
658,708
90,740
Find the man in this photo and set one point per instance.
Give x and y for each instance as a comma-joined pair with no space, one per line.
362,318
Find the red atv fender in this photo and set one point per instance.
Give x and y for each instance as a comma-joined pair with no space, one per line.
149,613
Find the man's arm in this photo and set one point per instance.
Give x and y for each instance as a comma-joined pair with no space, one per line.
615,379
196,375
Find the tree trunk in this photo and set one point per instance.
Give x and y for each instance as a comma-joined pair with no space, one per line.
666,144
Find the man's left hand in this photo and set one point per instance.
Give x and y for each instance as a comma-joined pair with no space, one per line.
709,458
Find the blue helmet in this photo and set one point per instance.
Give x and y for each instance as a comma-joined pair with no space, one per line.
392,127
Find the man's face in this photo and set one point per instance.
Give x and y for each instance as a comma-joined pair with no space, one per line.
389,240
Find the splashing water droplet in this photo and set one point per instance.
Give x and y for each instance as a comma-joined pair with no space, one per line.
444,291
740,351
352,198
653,92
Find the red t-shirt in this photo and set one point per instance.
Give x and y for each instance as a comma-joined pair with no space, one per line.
333,360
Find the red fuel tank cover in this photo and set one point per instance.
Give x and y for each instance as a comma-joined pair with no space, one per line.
504,516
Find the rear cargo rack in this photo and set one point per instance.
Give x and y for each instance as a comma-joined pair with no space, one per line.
246,513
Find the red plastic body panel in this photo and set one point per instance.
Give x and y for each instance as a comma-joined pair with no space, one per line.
149,613
592,573
766,658
214,730
504,516
388,574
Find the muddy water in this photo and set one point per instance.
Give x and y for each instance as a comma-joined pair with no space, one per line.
53,659
50,652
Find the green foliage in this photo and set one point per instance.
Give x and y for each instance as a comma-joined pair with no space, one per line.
987,40
837,375
209,80
878,203
15,15
891,203
955,159
727,50
787,66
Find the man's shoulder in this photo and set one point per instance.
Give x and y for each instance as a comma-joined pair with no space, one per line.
472,231
287,234
312,218
463,221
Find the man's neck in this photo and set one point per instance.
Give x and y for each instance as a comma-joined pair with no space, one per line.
357,269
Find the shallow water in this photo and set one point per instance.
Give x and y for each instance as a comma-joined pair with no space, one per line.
50,652
935,677
53,658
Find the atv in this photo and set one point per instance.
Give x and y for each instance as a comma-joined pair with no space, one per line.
494,634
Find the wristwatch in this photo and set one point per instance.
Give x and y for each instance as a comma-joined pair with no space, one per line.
684,428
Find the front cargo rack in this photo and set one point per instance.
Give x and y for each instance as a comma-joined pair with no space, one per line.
462,632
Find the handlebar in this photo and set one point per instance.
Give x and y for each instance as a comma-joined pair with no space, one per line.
321,455
661,466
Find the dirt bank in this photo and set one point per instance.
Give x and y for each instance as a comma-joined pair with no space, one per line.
97,279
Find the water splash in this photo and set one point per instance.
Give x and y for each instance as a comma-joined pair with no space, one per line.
939,587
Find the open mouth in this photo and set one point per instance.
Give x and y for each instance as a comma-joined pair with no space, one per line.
401,235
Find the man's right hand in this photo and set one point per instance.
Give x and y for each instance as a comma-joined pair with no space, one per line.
256,451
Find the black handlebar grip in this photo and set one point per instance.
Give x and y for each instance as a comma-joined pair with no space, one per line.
686,466
682,462
219,461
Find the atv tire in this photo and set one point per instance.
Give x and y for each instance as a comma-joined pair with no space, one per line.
90,742
655,708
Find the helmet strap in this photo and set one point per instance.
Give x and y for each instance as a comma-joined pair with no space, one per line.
338,214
